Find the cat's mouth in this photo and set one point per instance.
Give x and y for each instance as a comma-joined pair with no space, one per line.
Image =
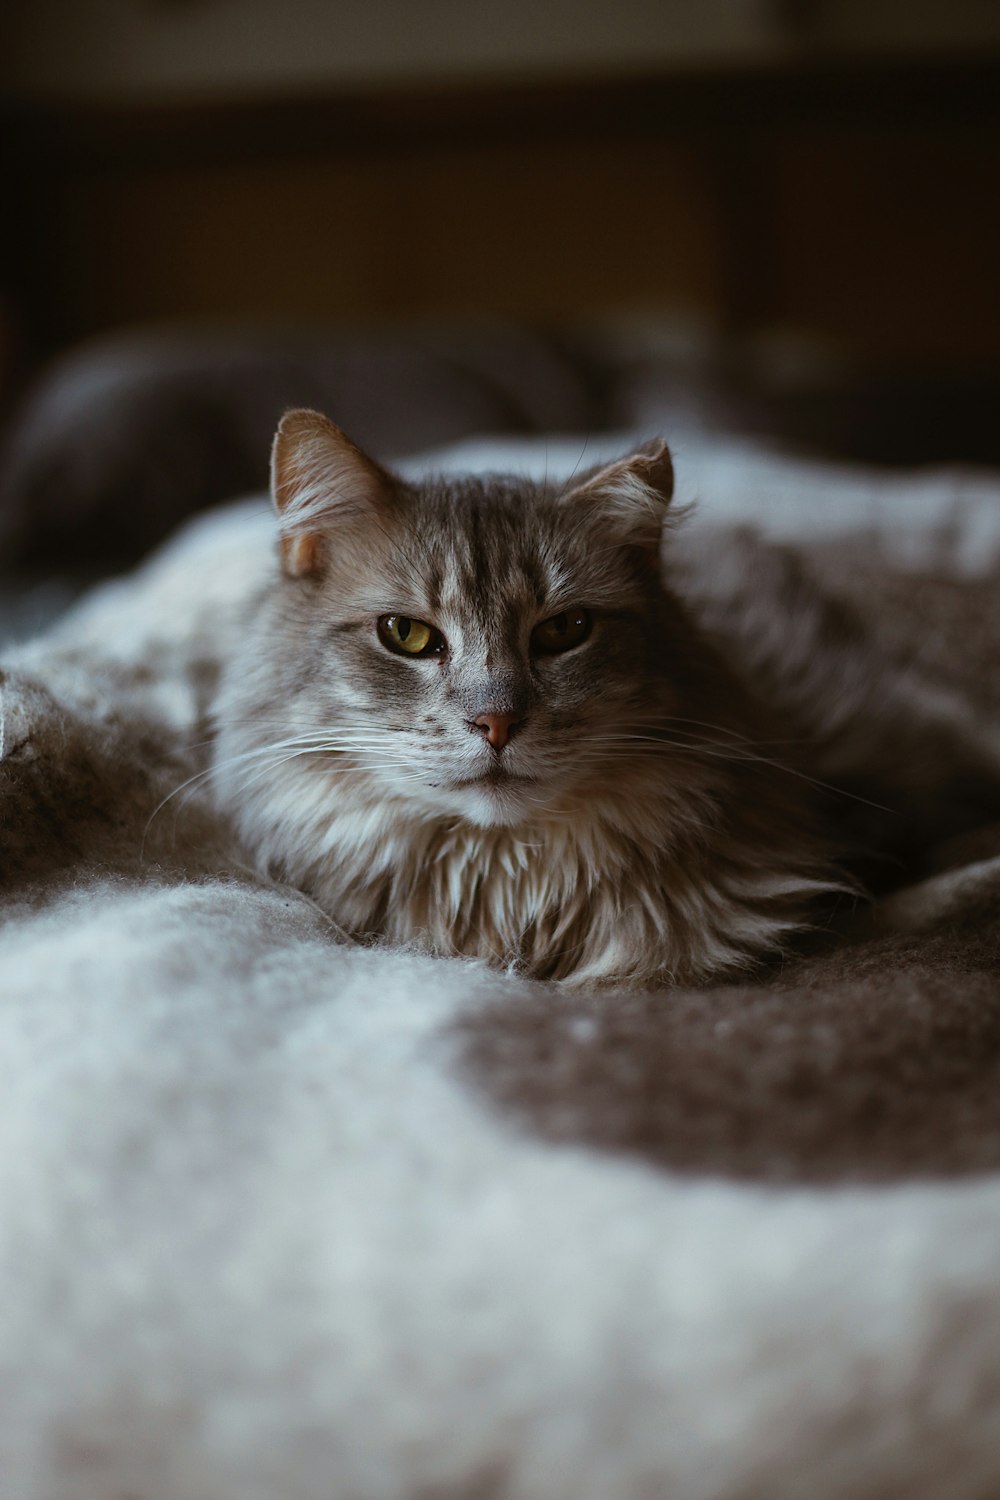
493,777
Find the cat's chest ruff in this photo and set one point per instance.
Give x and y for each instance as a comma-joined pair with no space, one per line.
523,896
625,891
538,896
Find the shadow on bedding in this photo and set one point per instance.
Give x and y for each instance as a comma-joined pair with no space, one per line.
874,1061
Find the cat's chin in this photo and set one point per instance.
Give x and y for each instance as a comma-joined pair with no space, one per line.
493,804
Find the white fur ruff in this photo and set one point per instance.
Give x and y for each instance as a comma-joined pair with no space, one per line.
641,885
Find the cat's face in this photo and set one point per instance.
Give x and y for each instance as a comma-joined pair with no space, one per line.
481,648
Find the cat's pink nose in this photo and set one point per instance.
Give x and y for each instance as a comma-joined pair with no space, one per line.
497,728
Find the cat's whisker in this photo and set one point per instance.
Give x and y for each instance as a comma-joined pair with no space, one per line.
576,467
304,744
648,721
673,719
746,755
200,776
647,744
258,773
259,721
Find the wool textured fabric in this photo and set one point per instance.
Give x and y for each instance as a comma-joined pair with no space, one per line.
281,1216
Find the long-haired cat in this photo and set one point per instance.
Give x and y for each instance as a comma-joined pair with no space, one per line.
478,716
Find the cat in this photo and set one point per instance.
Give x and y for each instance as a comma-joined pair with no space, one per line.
504,719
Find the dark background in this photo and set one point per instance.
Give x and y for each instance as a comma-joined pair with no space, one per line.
796,202
830,169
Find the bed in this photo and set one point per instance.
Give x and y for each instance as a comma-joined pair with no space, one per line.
281,1216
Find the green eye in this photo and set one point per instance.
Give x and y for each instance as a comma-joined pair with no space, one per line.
561,633
409,637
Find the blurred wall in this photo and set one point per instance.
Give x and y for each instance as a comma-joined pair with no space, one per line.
829,168
126,48
141,48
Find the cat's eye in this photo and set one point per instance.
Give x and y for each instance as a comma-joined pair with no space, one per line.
565,630
409,637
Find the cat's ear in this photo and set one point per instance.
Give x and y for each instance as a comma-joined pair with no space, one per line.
320,481
632,494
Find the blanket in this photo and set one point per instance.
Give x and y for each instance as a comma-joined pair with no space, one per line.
285,1217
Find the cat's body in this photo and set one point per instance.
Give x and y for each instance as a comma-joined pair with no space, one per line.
472,717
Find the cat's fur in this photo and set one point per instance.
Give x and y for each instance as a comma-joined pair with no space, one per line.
646,821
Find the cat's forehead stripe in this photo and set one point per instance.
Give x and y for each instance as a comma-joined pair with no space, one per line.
496,543
484,551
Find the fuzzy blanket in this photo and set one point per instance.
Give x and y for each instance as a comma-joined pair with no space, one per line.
282,1219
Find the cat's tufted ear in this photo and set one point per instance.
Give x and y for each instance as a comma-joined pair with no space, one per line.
319,481
632,493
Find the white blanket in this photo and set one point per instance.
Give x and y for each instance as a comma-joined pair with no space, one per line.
268,1232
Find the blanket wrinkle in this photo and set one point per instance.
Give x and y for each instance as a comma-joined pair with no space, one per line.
286,1216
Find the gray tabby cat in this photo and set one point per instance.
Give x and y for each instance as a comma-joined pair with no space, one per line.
480,717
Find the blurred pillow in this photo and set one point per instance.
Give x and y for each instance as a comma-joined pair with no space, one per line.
124,437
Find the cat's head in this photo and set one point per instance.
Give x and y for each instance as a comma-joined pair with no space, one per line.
486,648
